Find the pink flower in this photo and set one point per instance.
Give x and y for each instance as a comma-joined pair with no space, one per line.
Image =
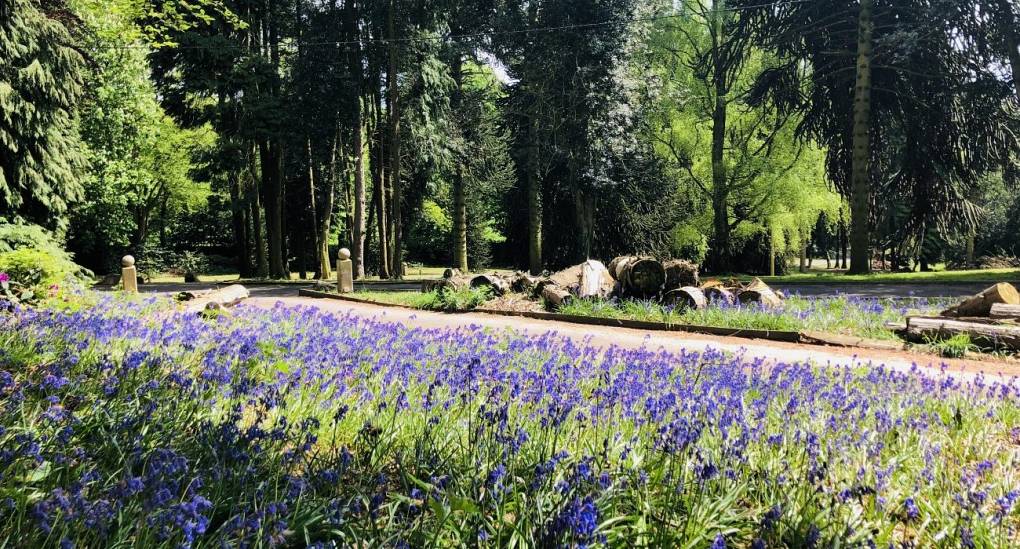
4,277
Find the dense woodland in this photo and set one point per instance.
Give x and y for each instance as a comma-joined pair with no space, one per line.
262,135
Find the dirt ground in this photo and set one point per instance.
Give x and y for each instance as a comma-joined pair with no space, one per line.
600,336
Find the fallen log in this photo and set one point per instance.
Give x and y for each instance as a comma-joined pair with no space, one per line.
925,329
759,292
636,276
688,297
981,304
680,273
218,299
496,284
719,294
451,272
522,282
1005,311
453,283
556,297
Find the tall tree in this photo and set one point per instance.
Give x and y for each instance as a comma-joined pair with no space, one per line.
41,84
893,90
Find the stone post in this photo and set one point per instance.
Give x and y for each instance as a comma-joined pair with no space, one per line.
129,275
344,272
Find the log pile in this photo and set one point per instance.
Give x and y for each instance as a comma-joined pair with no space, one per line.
988,318
674,283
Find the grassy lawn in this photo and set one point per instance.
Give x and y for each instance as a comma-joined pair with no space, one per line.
413,273
933,277
125,423
839,315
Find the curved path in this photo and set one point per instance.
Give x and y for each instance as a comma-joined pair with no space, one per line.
602,336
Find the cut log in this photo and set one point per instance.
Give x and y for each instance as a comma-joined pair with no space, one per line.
680,273
688,297
556,297
1005,311
759,292
588,280
640,277
496,284
522,282
923,329
453,283
218,299
595,281
719,294
451,272
981,304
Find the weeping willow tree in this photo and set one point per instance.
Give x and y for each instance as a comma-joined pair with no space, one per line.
897,95
41,84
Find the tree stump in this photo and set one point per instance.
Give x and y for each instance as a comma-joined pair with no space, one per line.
680,273
555,297
685,298
640,277
759,292
495,283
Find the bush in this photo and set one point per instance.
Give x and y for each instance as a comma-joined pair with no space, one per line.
41,270
35,263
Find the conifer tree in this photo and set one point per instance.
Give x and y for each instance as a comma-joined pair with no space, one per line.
41,83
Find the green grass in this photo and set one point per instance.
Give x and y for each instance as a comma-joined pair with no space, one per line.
933,277
838,315
446,300
413,273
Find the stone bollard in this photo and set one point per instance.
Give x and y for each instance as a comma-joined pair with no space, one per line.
129,275
344,272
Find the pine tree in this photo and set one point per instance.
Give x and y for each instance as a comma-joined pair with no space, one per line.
41,83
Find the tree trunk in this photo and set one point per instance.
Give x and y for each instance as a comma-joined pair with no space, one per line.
261,261
325,216
970,248
379,177
803,252
772,253
584,210
460,250
842,240
397,256
534,201
860,184
1008,25
271,158
237,214
355,68
720,189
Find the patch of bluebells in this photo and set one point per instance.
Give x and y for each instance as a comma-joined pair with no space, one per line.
132,423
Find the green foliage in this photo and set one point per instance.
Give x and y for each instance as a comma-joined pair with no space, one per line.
840,315
42,77
41,272
19,235
956,346
450,300
35,261
140,161
689,243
